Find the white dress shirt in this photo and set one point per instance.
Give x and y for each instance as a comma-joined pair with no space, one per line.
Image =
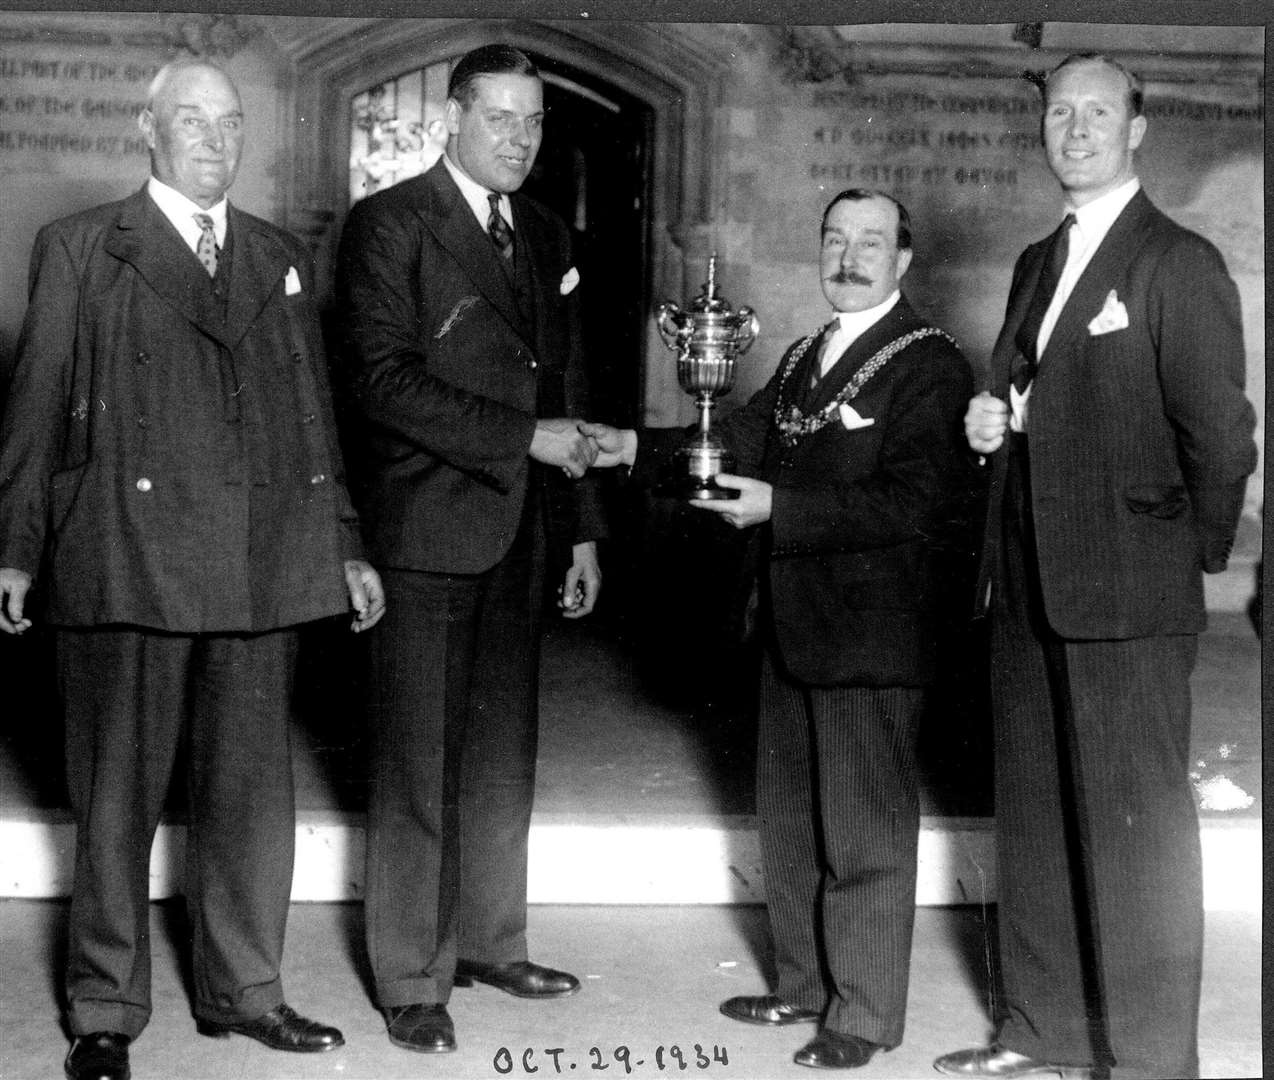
181,212
476,196
853,324
1092,222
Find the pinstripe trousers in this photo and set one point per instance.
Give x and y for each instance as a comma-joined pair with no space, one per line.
839,814
1100,910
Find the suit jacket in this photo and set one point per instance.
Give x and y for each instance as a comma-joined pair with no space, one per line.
1140,438
170,460
448,370
857,512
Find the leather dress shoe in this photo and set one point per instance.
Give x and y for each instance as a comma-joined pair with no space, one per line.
520,978
766,1009
832,1050
996,1063
103,1055
426,1029
279,1029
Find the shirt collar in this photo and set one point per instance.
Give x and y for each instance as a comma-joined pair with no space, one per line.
181,212
476,195
1094,219
855,322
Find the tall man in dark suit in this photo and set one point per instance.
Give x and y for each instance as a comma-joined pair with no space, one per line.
1119,439
851,454
169,472
463,351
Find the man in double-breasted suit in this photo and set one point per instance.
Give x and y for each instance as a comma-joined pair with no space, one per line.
463,357
850,457
169,474
1119,439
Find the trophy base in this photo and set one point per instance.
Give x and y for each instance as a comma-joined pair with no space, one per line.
695,487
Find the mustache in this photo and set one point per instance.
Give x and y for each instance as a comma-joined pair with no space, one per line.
849,277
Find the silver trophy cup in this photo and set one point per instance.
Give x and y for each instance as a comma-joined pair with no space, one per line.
707,339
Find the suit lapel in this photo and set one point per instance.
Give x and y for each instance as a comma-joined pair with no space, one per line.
448,217
1118,248
147,241
259,264
895,322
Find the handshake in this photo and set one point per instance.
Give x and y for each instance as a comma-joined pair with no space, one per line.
575,446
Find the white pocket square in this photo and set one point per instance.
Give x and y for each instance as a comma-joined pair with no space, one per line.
852,421
1113,316
292,283
569,280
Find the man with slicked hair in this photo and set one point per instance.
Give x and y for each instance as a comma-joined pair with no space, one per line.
851,463
171,487
1119,440
466,373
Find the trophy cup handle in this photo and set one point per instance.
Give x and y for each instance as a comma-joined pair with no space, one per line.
670,322
748,330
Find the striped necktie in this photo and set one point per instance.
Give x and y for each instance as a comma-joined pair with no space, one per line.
498,229
206,250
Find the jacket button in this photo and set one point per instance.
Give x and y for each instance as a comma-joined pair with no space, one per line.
308,418
297,357
144,484
143,422
318,478
532,364
143,358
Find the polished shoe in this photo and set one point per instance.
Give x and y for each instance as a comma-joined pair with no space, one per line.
426,1029
102,1055
832,1050
279,1029
767,1009
521,978
995,1063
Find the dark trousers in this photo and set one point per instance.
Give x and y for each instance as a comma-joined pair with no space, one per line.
453,707
839,819
130,697
1100,885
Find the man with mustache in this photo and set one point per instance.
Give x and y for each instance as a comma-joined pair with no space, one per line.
850,458
465,362
1119,440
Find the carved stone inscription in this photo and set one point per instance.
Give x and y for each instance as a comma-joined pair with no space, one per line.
61,113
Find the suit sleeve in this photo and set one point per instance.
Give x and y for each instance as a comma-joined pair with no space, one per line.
1198,328
918,469
36,402
379,273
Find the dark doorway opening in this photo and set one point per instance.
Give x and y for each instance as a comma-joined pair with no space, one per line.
593,170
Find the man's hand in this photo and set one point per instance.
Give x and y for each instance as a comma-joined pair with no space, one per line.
615,446
751,507
366,594
560,442
14,585
986,422
583,582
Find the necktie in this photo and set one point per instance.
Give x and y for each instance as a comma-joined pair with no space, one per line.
1028,333
833,345
499,230
206,250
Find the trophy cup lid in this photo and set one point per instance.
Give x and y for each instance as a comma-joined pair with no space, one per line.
708,300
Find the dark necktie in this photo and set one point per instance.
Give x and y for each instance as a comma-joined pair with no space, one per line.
1028,333
499,230
207,247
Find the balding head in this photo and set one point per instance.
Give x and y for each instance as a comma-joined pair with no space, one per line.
193,125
